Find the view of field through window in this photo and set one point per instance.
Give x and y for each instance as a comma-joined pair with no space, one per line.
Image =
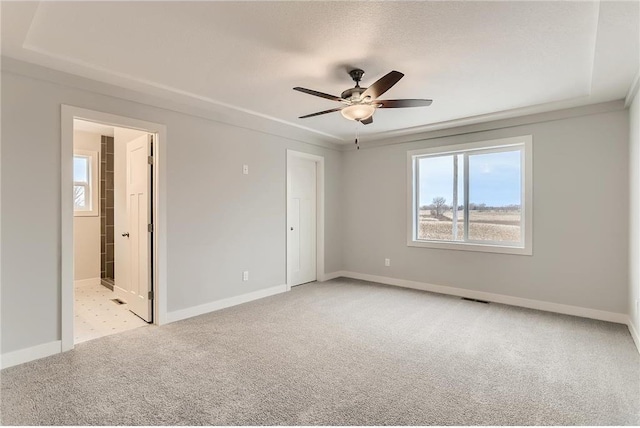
495,197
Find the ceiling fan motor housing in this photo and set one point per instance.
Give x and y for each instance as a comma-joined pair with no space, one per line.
353,94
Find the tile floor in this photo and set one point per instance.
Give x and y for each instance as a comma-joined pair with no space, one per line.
96,315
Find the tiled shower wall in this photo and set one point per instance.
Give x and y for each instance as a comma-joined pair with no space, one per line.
106,212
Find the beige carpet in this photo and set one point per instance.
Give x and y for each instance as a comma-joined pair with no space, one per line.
339,353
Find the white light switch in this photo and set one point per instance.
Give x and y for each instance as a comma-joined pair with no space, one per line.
387,262
245,275
245,169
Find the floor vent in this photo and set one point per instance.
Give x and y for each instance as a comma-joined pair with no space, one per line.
475,300
119,302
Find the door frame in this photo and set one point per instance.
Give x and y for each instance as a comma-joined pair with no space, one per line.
319,161
68,114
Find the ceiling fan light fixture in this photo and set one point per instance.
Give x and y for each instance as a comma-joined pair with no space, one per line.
358,111
361,103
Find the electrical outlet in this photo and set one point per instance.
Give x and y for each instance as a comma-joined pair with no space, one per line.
245,169
387,262
245,275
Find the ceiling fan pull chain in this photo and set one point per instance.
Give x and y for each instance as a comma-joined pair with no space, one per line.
357,134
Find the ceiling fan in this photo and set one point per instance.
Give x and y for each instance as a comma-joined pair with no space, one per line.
361,103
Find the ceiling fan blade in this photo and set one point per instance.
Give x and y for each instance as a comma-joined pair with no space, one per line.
318,94
382,85
402,103
320,112
367,121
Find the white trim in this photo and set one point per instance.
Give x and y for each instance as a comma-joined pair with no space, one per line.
491,121
66,230
68,114
25,355
150,86
124,89
319,160
181,102
329,276
86,282
634,334
216,305
471,246
525,142
633,90
492,297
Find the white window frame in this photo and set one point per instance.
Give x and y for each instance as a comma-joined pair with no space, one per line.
93,186
525,247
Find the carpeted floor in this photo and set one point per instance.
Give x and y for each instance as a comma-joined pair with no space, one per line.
340,353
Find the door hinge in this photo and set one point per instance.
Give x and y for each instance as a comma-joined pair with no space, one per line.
150,160
150,295
150,227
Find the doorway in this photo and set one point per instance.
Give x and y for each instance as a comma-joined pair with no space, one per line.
112,279
305,218
112,197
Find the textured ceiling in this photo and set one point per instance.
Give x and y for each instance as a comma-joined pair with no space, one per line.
471,58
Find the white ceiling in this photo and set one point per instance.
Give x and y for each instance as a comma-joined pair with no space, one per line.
471,58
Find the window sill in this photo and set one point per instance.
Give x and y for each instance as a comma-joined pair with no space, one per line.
464,246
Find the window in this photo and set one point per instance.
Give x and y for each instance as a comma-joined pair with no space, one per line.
472,196
85,183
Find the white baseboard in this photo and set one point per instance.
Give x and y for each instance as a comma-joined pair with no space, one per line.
329,276
86,282
21,356
224,303
634,334
491,297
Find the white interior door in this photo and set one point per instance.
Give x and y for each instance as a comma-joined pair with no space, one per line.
139,218
301,218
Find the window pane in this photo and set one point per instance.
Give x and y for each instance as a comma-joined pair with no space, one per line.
437,198
79,197
81,169
495,197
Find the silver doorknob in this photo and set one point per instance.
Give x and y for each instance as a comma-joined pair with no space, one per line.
126,234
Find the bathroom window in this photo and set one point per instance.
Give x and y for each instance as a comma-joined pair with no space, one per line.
85,183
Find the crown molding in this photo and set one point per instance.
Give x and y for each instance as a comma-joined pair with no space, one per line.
633,90
459,129
554,107
211,110
174,101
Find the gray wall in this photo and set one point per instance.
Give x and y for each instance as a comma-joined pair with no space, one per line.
219,222
634,223
580,217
